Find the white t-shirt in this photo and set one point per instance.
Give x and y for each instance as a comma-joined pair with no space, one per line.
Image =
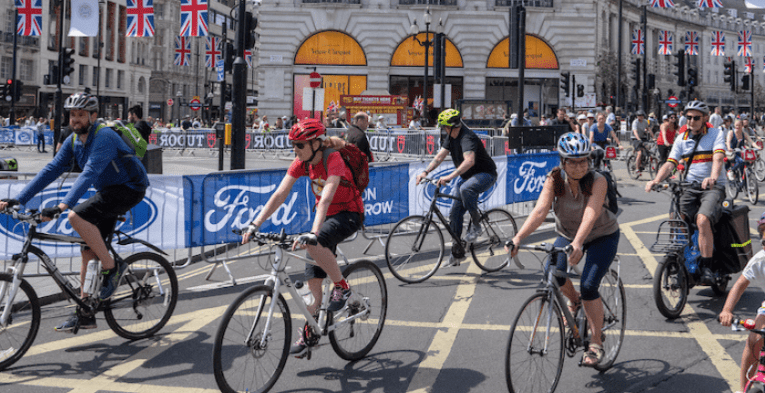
716,120
755,269
414,125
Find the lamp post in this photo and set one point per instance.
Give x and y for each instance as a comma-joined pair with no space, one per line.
415,30
179,95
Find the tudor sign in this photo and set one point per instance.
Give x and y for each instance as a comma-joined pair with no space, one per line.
315,79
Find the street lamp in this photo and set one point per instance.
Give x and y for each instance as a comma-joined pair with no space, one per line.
415,30
179,94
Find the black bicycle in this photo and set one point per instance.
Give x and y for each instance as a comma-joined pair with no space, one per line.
649,160
140,306
415,246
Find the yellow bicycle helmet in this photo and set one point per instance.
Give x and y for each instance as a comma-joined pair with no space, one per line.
449,117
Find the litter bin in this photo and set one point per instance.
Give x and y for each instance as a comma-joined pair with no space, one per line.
152,160
8,164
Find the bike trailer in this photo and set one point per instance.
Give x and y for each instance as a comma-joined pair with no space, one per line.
733,243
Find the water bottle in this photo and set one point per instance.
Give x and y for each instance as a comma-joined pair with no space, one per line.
92,276
305,292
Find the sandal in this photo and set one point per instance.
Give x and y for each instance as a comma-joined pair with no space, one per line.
572,308
593,356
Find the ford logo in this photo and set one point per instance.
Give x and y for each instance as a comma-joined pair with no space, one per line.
430,190
138,219
25,137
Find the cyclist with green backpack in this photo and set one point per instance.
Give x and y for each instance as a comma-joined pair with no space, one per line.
120,180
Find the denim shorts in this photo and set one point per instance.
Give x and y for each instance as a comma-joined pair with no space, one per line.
334,230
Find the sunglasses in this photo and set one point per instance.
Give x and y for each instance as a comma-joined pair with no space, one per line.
298,145
695,118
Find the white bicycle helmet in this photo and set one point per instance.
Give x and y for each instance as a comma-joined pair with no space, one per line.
83,101
697,106
573,145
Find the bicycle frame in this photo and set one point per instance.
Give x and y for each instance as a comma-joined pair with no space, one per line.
429,218
279,279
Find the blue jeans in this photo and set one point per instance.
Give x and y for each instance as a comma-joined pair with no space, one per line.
467,192
40,142
600,253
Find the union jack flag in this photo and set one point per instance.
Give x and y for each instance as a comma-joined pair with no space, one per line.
140,18
718,43
182,51
193,18
666,39
709,3
248,57
691,43
419,104
744,43
638,42
662,3
748,64
332,107
29,21
212,51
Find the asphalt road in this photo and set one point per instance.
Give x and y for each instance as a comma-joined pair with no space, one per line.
447,334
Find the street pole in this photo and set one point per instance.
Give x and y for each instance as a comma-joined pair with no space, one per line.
751,90
619,60
522,60
442,65
14,86
59,113
98,66
239,94
645,60
428,43
223,82
573,94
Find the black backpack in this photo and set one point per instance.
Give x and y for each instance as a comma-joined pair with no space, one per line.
611,192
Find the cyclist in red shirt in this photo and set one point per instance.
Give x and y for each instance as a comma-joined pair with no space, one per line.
339,213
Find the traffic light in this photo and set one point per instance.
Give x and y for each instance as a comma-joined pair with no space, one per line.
250,23
745,82
580,90
228,59
227,96
729,74
565,82
68,64
7,90
680,64
693,77
17,86
636,71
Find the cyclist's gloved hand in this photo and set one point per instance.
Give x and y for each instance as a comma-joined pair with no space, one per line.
51,212
248,231
308,238
10,201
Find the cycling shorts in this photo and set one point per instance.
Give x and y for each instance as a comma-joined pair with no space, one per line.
103,208
334,230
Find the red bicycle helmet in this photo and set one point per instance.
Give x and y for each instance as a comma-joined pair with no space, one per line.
307,129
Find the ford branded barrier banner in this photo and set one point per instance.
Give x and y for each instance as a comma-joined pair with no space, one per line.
24,136
156,219
189,211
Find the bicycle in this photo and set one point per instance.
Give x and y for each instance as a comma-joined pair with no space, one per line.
601,160
678,240
738,180
141,305
539,338
648,160
253,339
757,382
415,246
759,163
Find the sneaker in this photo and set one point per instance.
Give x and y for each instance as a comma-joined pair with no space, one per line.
69,324
473,233
707,277
453,261
338,298
111,280
299,348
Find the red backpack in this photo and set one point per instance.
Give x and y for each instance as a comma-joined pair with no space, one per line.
355,160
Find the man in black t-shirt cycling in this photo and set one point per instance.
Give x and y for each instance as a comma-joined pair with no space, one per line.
475,168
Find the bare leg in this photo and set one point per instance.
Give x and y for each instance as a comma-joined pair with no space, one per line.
314,285
92,237
327,261
705,236
751,349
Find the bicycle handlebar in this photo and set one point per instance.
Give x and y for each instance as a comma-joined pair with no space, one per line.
739,324
30,217
281,239
545,247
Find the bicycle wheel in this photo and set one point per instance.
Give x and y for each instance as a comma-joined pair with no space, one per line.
359,324
414,249
145,299
245,356
731,189
670,287
631,168
17,335
653,166
759,169
488,250
534,358
614,318
752,188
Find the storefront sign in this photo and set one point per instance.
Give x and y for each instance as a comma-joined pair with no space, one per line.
377,105
411,54
330,48
539,55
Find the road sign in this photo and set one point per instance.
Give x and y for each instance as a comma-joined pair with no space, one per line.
672,101
195,104
169,102
315,79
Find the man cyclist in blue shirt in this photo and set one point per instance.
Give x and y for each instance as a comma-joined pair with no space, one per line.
120,180
475,168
